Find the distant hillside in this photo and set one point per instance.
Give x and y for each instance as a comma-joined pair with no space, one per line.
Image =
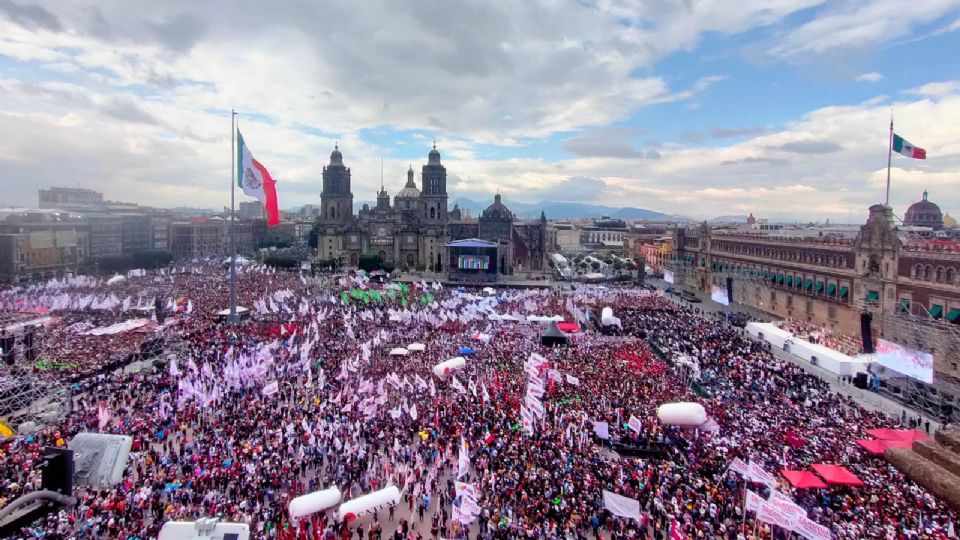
562,210
729,219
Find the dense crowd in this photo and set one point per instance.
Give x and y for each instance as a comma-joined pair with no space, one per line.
210,439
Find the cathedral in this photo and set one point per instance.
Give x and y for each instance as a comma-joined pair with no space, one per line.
413,233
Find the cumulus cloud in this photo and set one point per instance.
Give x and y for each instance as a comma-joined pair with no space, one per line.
872,76
811,147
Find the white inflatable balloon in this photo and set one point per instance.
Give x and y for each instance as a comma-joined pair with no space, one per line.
311,503
441,369
682,414
368,504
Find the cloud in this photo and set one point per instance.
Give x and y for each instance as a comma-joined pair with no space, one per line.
775,162
727,133
936,89
608,142
811,147
872,76
179,32
847,25
30,16
125,108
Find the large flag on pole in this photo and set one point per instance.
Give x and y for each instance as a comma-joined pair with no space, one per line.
904,148
256,182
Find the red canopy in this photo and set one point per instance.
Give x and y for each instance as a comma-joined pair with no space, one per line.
568,327
803,479
837,475
898,434
873,446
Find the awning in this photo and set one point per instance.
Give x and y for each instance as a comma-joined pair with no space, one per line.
789,281
820,286
936,312
874,447
780,278
831,289
953,315
872,296
837,475
803,479
843,292
808,284
904,305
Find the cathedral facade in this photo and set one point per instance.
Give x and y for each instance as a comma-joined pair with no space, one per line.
413,231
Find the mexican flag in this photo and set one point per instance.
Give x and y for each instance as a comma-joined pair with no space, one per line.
256,182
903,147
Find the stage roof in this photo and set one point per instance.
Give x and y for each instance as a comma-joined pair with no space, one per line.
472,243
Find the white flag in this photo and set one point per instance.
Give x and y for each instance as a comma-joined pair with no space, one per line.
271,388
463,462
619,505
635,424
573,380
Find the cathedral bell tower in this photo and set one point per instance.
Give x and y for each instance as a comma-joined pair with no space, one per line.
336,199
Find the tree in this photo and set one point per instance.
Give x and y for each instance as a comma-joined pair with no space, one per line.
314,237
595,265
618,266
370,262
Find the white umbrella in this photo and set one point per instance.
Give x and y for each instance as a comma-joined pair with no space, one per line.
399,351
416,347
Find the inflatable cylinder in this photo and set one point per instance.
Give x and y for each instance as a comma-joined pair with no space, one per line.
606,316
682,414
311,503
368,504
441,369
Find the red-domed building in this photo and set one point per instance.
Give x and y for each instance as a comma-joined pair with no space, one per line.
924,213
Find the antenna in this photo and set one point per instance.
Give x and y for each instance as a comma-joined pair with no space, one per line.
381,173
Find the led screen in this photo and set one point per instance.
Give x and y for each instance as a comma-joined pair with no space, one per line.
473,262
719,295
910,362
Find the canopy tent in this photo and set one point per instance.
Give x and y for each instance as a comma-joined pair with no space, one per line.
241,261
116,279
568,327
416,347
489,290
552,336
803,479
908,435
837,475
876,447
466,351
226,312
399,351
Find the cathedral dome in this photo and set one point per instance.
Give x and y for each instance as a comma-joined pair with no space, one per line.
924,213
410,190
497,211
948,221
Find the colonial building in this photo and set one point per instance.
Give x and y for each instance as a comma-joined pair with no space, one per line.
829,281
413,231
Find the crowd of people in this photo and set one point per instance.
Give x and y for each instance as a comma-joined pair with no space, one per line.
236,420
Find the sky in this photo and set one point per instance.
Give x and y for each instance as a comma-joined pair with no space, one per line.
780,108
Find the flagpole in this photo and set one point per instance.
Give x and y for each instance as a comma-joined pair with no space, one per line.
889,156
233,217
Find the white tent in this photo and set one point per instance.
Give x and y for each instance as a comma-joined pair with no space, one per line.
489,290
241,260
399,351
226,312
116,279
416,347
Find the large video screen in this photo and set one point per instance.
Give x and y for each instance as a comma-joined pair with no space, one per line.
719,295
668,276
473,262
910,362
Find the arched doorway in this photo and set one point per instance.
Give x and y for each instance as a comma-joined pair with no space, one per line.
353,259
382,255
410,260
